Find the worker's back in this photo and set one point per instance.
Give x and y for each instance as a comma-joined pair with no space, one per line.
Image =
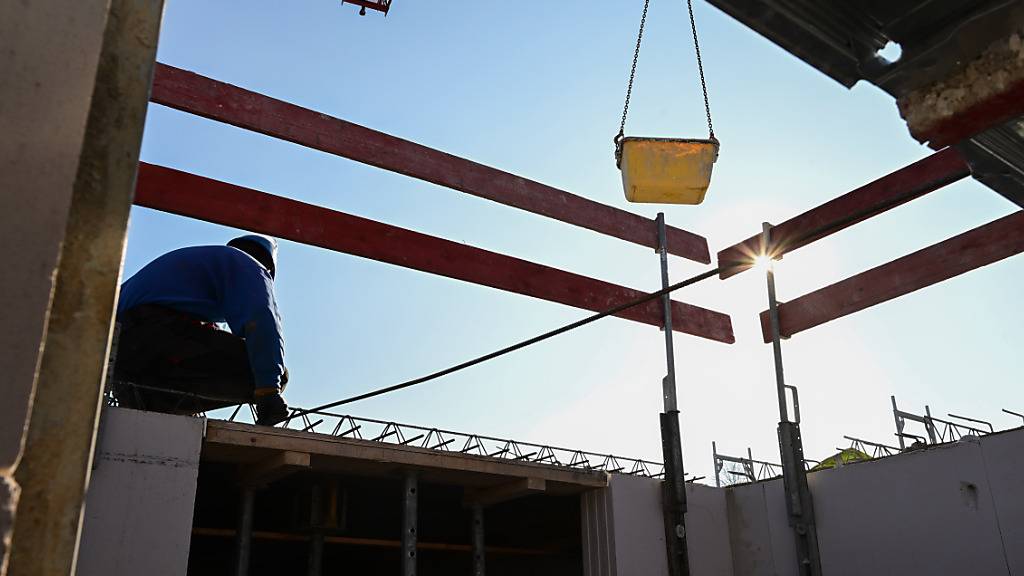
168,346
215,283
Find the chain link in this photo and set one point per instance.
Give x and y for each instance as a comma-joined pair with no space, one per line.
700,68
632,74
629,88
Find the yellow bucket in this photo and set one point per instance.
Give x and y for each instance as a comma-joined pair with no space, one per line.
667,170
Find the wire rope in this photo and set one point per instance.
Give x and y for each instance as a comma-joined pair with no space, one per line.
518,346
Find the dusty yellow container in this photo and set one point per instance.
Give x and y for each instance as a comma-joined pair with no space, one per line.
667,170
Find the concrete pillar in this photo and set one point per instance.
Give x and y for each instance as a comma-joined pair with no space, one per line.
76,87
49,50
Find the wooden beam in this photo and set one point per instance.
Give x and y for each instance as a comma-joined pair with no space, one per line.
505,492
195,94
274,468
973,249
221,203
886,193
370,542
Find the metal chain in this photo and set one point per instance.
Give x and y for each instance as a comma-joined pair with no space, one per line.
629,88
700,68
632,74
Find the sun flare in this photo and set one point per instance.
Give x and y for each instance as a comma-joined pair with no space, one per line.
763,262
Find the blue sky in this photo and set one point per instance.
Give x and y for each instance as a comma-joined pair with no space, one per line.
538,92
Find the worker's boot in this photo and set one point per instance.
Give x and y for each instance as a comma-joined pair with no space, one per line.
271,409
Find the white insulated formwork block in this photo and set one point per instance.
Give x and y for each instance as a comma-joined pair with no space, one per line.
138,512
927,512
639,530
760,538
951,510
1004,463
624,530
707,531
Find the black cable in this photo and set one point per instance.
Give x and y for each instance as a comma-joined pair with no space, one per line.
850,219
807,237
782,246
480,359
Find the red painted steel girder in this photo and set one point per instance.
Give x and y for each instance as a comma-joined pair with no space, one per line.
973,249
978,117
202,96
186,194
913,181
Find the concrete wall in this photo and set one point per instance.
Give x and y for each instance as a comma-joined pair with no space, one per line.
624,534
138,514
76,87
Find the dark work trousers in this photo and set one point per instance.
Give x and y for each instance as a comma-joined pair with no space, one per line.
168,361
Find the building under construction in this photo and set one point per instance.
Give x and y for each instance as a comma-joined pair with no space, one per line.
92,487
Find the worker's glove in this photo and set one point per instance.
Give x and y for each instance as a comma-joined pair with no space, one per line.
271,409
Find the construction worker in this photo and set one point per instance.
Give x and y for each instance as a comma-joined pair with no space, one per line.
172,357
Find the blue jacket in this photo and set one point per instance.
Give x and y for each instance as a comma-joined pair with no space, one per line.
218,284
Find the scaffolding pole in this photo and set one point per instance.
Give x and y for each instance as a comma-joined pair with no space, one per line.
409,519
316,525
479,549
243,537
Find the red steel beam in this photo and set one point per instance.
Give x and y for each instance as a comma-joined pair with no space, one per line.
973,249
913,181
202,96
186,194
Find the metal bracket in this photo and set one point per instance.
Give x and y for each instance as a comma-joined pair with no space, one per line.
674,486
901,418
796,403
799,504
794,476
